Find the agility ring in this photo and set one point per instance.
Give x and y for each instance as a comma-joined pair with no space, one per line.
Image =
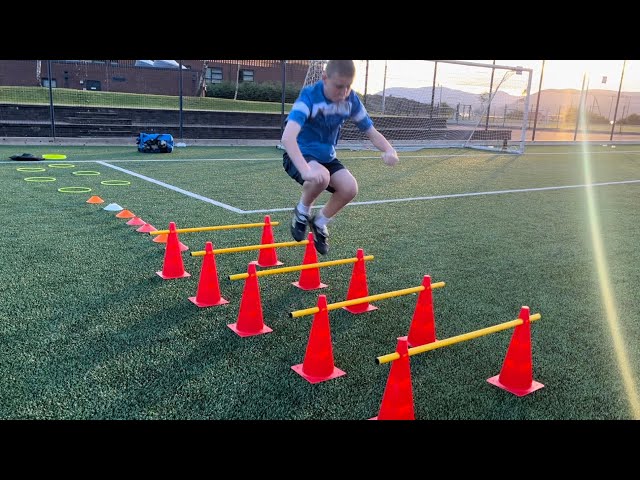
40,179
61,165
86,172
74,189
31,169
115,182
54,156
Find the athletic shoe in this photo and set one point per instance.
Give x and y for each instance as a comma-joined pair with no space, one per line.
299,223
320,237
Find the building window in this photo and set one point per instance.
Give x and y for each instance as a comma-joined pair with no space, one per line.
214,75
93,85
246,76
45,82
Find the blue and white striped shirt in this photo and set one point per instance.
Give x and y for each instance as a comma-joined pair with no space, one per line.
322,120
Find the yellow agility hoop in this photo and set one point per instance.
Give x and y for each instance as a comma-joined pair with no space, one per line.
74,189
61,165
86,172
31,169
54,156
115,182
40,179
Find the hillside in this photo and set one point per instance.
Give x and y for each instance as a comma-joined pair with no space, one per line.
602,102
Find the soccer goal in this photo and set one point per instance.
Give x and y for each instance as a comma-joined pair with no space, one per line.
440,103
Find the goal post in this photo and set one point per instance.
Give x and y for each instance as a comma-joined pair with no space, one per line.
440,103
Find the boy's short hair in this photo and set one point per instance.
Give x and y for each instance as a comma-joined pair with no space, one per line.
343,68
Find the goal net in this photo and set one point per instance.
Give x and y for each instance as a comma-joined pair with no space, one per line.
443,103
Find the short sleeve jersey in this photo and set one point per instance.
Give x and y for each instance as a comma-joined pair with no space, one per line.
322,120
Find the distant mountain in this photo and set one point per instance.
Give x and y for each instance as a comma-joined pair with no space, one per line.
600,102
446,95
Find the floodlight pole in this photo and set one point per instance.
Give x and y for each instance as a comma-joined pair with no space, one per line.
493,71
53,118
366,80
384,86
180,95
433,89
615,112
535,120
579,114
284,96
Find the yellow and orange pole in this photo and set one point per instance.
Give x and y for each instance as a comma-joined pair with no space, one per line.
214,227
297,268
390,357
369,298
245,248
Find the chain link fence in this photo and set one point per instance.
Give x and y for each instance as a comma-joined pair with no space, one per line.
229,100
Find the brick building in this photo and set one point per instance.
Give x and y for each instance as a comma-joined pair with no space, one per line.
148,77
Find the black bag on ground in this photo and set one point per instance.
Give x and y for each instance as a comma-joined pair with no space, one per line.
25,156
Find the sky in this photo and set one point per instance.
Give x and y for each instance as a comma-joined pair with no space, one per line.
557,74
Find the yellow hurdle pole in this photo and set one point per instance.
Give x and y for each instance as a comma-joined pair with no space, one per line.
214,227
370,298
200,253
296,268
457,339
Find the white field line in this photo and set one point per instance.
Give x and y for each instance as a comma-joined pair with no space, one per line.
459,195
175,189
368,157
371,202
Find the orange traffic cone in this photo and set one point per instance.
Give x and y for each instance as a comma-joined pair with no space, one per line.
163,237
147,227
136,221
516,375
267,257
95,199
125,214
422,329
208,293
310,277
318,360
250,321
397,400
358,286
173,266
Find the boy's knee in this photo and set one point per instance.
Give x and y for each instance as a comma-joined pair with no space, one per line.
352,191
348,190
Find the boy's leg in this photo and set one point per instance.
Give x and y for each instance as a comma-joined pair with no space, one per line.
345,188
310,191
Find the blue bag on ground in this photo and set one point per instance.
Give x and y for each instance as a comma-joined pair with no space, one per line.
155,143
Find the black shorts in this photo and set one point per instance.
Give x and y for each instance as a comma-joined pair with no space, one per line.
333,166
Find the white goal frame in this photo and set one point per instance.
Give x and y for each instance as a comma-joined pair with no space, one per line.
486,123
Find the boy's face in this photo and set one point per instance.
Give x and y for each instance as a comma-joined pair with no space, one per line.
336,87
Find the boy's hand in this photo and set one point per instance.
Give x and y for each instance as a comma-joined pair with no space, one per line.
312,175
390,158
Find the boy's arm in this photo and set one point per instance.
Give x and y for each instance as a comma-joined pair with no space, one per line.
290,143
389,154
